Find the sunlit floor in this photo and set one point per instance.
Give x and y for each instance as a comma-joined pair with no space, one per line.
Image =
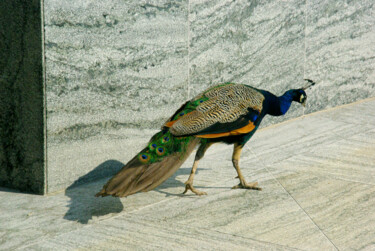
318,178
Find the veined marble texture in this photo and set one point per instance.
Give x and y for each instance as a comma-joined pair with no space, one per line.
340,48
113,64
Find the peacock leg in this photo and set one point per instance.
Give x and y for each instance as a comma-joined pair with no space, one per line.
189,183
236,159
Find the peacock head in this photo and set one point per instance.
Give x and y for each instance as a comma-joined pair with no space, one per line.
299,95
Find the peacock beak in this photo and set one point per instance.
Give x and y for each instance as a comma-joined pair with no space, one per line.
304,103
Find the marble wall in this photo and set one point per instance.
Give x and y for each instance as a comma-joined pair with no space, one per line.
113,64
116,69
340,49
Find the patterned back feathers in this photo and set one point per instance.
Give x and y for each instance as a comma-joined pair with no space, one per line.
223,103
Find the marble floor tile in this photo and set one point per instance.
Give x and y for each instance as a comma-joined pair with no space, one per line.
342,209
351,159
363,113
130,234
268,216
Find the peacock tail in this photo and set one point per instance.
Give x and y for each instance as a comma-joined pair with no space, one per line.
159,160
161,145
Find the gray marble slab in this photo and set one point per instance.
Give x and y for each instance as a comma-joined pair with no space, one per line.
343,209
269,216
340,51
142,234
353,160
105,61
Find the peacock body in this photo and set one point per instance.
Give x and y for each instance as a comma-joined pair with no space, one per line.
229,113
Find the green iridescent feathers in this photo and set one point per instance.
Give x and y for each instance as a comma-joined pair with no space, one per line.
161,145
187,108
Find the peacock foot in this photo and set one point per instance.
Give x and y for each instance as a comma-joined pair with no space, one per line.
189,186
245,185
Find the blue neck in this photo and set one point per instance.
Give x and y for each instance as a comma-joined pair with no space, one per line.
285,102
278,106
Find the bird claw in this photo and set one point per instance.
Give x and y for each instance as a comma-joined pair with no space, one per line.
245,185
190,187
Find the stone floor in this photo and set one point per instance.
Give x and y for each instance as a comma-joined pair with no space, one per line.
318,178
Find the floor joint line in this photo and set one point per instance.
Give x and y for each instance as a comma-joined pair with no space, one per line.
266,167
188,45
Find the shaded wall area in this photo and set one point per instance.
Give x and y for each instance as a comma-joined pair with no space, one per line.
21,96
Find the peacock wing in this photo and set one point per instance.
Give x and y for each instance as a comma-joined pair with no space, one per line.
227,109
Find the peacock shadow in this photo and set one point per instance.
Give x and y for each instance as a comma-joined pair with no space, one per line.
83,204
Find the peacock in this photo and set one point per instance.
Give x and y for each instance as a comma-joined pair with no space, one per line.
228,113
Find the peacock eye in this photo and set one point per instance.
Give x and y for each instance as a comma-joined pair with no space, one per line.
144,157
160,151
153,146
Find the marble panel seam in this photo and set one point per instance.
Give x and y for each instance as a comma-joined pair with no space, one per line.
44,76
290,195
